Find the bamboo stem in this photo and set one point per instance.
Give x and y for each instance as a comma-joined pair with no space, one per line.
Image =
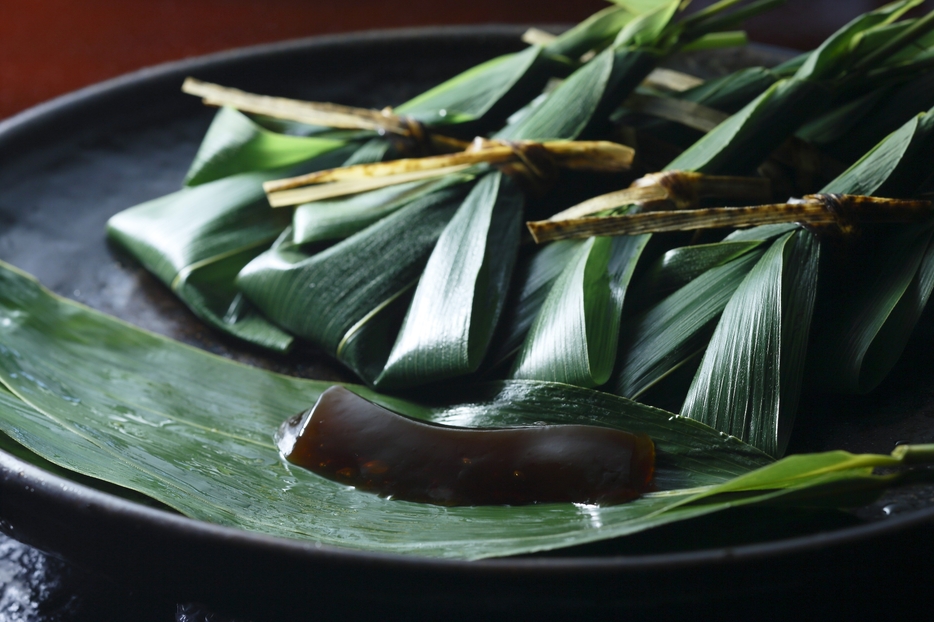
315,113
682,188
601,156
671,80
320,192
839,211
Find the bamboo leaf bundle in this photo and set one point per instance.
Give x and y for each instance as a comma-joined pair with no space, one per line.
236,145
564,114
723,399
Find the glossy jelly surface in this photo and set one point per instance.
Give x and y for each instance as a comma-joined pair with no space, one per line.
353,441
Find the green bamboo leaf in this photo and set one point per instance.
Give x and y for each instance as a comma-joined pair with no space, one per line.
336,219
658,341
716,41
727,94
323,296
749,379
195,432
872,325
235,144
840,121
834,54
197,239
461,293
868,174
868,323
494,89
679,266
481,90
595,32
534,276
587,96
647,28
741,142
744,140
669,333
574,336
890,114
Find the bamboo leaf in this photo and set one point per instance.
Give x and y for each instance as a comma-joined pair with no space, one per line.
658,341
352,279
834,53
574,336
741,142
856,351
646,29
235,144
535,275
868,324
197,239
593,33
461,293
588,95
680,266
726,94
868,174
749,380
716,41
481,90
891,113
195,432
335,219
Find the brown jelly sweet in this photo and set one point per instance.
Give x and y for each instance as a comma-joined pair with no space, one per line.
353,441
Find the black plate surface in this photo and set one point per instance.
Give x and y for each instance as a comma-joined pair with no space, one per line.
67,166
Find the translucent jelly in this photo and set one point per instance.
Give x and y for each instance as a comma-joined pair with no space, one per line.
353,441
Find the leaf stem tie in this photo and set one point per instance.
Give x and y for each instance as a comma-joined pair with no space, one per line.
827,214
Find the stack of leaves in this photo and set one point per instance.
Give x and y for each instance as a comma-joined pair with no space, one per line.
430,313
764,282
199,256
574,334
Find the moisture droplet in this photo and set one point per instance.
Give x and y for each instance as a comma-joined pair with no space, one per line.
893,508
442,113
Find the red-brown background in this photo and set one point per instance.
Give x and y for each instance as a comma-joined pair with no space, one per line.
49,47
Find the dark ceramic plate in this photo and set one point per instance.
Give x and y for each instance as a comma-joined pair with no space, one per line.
68,165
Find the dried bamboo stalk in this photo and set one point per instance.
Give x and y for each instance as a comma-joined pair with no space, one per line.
596,155
671,80
537,36
320,192
682,189
313,113
842,212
